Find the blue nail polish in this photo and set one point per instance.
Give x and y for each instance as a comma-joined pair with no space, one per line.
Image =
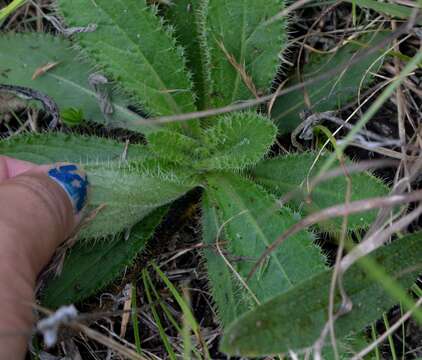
73,183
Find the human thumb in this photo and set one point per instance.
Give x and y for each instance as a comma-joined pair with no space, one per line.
39,209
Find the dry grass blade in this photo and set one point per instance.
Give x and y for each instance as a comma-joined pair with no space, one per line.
336,211
43,69
240,69
399,187
384,336
342,265
96,336
106,341
378,238
261,100
351,169
229,265
296,5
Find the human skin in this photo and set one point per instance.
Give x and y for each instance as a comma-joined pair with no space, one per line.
36,216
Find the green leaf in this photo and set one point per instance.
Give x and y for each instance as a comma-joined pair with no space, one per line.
294,320
189,19
330,94
126,191
225,290
242,29
173,146
48,148
233,142
284,174
394,10
90,267
252,221
72,117
135,48
66,82
236,141
347,347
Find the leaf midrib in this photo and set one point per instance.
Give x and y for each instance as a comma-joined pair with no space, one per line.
86,90
169,99
231,294
237,199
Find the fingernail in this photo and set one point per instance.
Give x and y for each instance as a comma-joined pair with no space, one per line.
74,181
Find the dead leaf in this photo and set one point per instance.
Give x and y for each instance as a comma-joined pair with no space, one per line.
126,310
10,103
43,69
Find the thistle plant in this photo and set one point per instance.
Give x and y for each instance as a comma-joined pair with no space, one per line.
192,55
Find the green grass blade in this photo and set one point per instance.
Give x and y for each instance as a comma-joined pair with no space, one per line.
133,46
135,322
333,93
346,347
90,267
395,10
294,320
11,8
367,116
180,300
239,30
66,82
374,338
189,321
165,308
284,174
166,341
390,337
252,221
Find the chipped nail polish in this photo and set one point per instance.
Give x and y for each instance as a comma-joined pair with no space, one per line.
73,181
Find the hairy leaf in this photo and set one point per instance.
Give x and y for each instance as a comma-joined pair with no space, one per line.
58,147
251,221
135,48
90,267
294,319
173,146
243,38
125,191
225,290
329,94
66,81
236,141
284,174
189,19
